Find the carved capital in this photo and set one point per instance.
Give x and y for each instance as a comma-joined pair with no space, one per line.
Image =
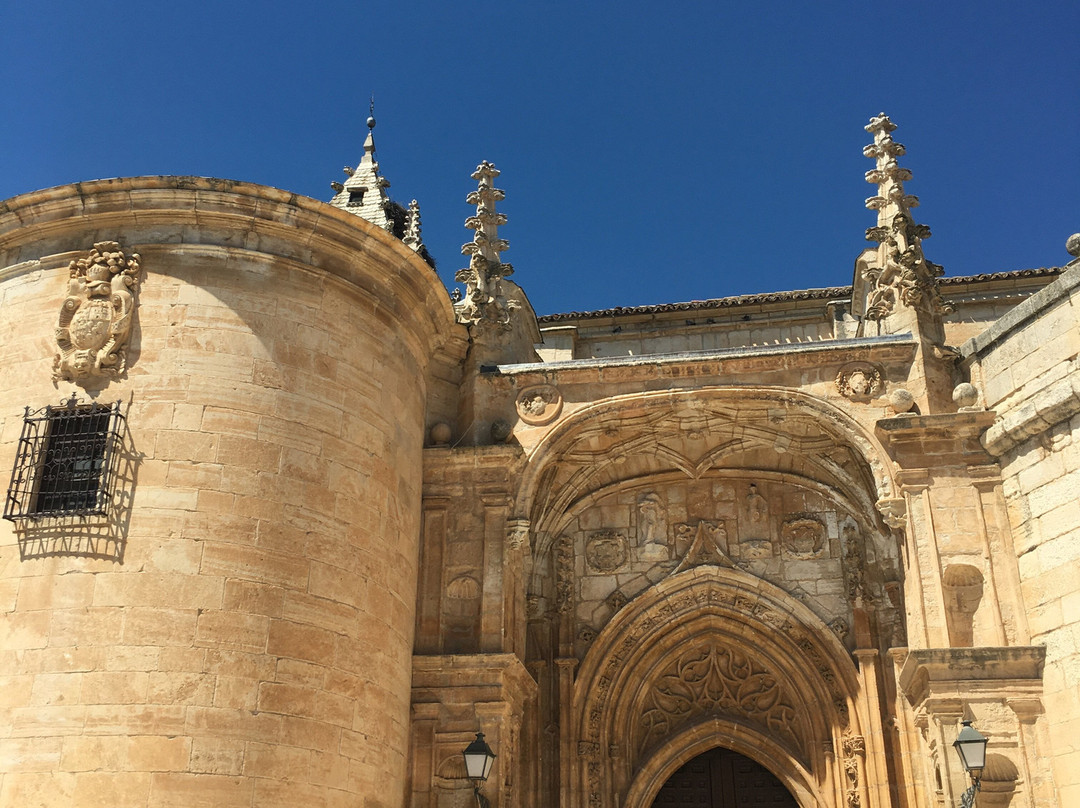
894,511
517,533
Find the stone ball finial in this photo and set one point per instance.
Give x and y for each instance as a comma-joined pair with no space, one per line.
500,430
440,434
1072,245
965,395
901,400
371,122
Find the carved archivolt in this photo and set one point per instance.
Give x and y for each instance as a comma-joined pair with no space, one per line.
719,681
710,644
96,317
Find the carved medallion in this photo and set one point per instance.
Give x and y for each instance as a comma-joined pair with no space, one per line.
859,381
802,536
539,404
606,551
96,317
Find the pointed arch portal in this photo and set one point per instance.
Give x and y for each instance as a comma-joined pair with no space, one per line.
722,778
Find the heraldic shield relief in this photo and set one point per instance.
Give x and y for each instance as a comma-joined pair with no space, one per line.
95,321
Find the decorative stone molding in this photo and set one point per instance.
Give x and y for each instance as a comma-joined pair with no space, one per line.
606,551
539,405
859,381
564,574
96,317
854,747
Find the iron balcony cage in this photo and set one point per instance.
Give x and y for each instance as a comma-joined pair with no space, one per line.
65,462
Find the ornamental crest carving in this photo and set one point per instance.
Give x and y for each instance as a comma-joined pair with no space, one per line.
606,551
803,536
95,319
859,382
539,405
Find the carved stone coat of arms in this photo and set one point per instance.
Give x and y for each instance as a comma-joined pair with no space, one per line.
96,317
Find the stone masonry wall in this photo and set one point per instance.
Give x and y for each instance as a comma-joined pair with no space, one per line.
245,635
1030,376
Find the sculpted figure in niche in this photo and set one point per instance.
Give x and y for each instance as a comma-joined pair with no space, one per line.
652,529
755,542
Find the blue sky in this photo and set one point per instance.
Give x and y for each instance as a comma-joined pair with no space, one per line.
650,152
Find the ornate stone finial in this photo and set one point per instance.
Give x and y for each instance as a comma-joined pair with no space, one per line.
902,275
412,228
96,318
483,277
1072,245
371,113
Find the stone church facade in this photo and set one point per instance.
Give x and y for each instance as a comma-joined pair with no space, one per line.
287,524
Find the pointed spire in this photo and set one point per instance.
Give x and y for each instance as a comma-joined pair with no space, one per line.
901,275
483,277
364,192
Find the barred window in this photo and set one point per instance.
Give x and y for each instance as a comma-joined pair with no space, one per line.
64,461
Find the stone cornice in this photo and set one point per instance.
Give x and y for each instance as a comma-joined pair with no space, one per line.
898,347
174,212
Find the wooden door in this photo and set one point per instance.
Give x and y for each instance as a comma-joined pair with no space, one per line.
721,778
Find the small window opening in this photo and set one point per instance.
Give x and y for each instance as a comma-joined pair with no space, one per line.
64,461
356,197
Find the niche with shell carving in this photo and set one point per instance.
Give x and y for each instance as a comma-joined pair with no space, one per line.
462,614
963,588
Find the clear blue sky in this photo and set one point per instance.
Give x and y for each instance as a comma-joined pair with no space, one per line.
651,152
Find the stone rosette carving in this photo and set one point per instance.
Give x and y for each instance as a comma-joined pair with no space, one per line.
606,550
859,381
96,316
803,537
539,405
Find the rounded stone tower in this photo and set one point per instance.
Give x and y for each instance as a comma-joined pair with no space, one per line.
212,601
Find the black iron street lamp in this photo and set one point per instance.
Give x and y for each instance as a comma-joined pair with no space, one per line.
478,761
970,745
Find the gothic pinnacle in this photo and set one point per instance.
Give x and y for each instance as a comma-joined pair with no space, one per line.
483,276
904,275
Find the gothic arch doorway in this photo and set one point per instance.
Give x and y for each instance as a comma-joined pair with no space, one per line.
723,778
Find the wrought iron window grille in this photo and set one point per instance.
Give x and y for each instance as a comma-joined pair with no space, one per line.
65,464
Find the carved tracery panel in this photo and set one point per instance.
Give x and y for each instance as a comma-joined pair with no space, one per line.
712,680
